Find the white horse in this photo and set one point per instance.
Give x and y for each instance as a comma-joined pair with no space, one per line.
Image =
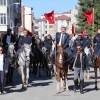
24,62
89,55
10,55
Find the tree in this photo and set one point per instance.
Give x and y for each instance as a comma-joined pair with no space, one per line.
85,6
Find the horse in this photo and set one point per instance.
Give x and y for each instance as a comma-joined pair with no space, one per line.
11,59
46,54
62,69
24,62
87,51
96,66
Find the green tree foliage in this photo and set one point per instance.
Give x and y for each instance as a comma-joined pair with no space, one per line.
86,6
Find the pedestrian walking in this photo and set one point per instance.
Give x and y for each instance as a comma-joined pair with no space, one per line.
80,64
3,68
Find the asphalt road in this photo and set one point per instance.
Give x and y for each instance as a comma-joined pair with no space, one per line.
44,88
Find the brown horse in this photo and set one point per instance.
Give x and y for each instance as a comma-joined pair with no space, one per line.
62,69
97,65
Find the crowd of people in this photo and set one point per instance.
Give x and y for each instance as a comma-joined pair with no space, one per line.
74,46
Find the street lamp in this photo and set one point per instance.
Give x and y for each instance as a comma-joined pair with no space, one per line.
10,20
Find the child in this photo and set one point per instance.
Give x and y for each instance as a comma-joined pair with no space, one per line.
3,68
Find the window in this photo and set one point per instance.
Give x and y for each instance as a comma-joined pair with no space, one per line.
45,21
3,19
46,26
50,26
45,32
2,2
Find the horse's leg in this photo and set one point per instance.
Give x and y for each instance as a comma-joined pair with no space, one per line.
55,69
65,78
27,76
7,75
11,74
22,75
58,80
95,70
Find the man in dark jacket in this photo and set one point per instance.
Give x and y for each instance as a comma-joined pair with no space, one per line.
25,39
78,41
96,42
62,39
8,38
80,64
48,42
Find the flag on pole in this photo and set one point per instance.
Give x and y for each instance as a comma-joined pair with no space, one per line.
90,17
50,17
73,30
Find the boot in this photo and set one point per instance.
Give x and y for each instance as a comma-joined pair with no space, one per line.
2,88
81,86
75,85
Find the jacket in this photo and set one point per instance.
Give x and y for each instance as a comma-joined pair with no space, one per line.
83,60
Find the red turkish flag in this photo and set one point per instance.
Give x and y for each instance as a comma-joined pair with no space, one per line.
90,17
73,30
50,17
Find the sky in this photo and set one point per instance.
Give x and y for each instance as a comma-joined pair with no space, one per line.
45,6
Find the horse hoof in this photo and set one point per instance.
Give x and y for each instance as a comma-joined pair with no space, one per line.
58,92
96,88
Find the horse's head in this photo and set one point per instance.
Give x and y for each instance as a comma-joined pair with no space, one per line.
11,49
26,49
87,50
61,54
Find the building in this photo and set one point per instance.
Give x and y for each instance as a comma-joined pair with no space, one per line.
10,15
65,19
27,18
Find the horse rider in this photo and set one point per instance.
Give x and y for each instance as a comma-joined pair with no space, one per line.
80,64
24,39
87,41
78,41
96,42
8,38
38,41
48,43
62,38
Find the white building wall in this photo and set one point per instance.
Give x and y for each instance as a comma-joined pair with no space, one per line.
3,9
28,19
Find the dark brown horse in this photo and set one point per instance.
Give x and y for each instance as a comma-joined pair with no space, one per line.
62,69
97,65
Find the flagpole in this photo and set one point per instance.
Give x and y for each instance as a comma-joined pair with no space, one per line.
92,31
55,37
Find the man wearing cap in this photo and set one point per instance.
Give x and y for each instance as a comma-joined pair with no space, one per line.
78,41
87,41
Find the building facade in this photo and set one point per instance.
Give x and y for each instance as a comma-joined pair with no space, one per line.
10,15
27,18
65,19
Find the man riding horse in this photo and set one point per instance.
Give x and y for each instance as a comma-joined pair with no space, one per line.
7,40
62,38
24,40
96,42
